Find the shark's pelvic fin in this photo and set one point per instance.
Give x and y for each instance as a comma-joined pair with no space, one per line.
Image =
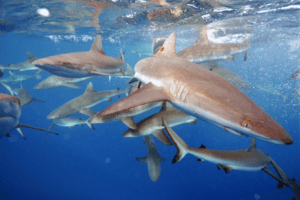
21,133
97,45
225,168
147,94
128,121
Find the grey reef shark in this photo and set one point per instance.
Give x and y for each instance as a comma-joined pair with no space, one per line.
251,159
24,66
127,116
58,81
84,102
69,122
270,89
199,92
10,112
153,124
213,66
82,64
22,94
295,75
153,159
16,78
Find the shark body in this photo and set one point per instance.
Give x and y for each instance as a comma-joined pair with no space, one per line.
201,93
270,89
16,78
24,66
69,122
82,64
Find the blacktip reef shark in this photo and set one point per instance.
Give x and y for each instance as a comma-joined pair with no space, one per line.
126,116
295,75
10,112
153,158
84,102
82,64
251,159
70,122
270,89
22,94
58,81
203,50
213,66
24,66
153,124
199,92
16,78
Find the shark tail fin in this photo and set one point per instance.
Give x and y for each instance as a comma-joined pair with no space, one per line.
181,146
89,124
8,88
32,127
21,133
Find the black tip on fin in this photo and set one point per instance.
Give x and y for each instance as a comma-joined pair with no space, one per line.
202,146
199,160
280,185
175,159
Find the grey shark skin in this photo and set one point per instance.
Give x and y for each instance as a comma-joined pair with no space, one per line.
153,124
84,102
203,50
295,75
82,64
24,66
10,111
213,66
69,122
199,92
126,116
153,159
270,89
16,78
58,81
22,94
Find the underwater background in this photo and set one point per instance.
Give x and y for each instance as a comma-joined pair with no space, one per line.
82,163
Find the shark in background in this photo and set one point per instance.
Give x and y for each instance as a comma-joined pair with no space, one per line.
83,64
10,112
295,75
22,94
270,89
70,122
153,159
16,78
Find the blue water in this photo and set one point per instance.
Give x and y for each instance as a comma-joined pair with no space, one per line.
82,163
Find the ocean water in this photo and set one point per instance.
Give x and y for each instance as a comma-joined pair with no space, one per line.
82,163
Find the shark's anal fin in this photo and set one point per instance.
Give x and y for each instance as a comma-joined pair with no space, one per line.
142,159
128,121
147,94
225,168
161,136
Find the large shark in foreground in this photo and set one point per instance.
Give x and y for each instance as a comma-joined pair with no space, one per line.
22,94
200,93
153,158
84,102
82,64
10,112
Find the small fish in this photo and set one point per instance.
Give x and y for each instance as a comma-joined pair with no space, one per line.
22,94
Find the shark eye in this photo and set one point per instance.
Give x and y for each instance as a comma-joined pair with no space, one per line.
247,122
161,48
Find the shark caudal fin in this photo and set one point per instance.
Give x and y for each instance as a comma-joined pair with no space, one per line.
168,49
32,127
181,146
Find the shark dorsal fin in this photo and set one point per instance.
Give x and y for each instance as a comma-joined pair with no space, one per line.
11,73
202,37
168,49
30,56
252,144
97,45
202,146
89,88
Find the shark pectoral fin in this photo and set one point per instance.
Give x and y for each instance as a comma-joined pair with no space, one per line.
21,133
89,112
246,56
143,159
252,144
7,135
147,94
32,127
161,136
39,71
71,85
89,124
193,122
128,121
34,99
225,168
231,58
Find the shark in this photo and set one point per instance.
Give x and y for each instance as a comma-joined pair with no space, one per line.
10,112
16,78
153,124
153,159
127,116
58,81
24,66
82,64
203,50
70,122
270,89
295,75
22,94
84,102
200,93
128,73
1,71
213,66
